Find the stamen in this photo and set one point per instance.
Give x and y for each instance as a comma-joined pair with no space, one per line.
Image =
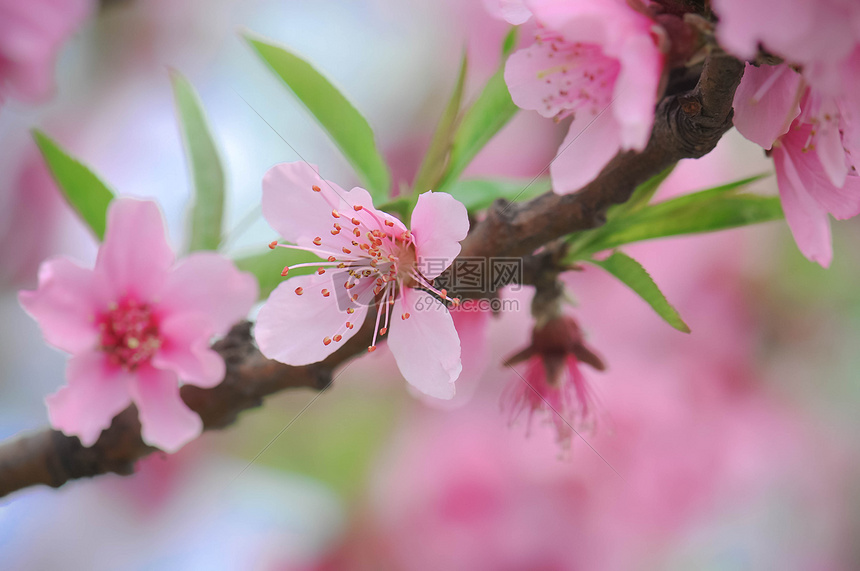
285,271
371,349
318,241
405,316
321,271
325,293
316,188
337,338
299,291
335,213
327,341
273,244
347,251
357,207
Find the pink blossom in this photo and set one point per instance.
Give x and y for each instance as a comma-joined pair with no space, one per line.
136,325
599,62
813,136
552,382
31,34
370,257
816,34
514,12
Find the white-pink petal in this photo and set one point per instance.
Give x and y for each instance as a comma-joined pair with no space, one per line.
426,345
185,350
96,392
291,327
207,283
439,223
135,257
166,421
66,304
589,145
514,12
766,102
808,221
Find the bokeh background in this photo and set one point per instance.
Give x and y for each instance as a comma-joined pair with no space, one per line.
733,447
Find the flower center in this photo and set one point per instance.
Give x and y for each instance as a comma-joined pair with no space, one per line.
129,334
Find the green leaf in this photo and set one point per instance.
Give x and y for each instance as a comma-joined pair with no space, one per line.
710,210
82,189
633,275
642,195
266,266
479,193
348,129
488,114
433,166
510,41
207,211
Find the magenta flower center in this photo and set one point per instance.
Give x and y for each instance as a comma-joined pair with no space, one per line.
129,334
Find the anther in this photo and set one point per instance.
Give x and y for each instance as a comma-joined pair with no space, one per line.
285,271
444,293
356,221
357,207
335,213
320,271
371,349
337,338
327,341
405,316
326,293
350,310
347,251
383,331
299,291
273,244
316,188
318,241
332,259
349,325
389,223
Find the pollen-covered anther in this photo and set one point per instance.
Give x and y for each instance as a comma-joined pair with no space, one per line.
299,291
383,331
335,213
389,223
273,244
455,301
318,241
365,247
331,259
405,316
357,232
356,221
335,231
337,338
320,271
316,188
285,271
371,349
376,290
350,310
350,285
327,341
325,293
444,293
349,325
357,207
354,297
347,251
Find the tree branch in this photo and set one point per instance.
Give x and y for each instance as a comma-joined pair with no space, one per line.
687,125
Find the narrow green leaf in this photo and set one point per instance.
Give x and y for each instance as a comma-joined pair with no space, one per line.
433,166
510,41
207,209
488,114
479,193
633,275
642,195
266,266
711,210
348,129
82,189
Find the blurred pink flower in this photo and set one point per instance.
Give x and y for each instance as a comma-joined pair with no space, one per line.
136,325
600,62
514,12
31,35
370,256
553,383
812,142
816,34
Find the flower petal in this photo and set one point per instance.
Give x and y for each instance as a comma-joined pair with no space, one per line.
808,221
439,222
589,145
425,346
766,102
635,94
514,12
66,304
185,350
208,283
96,392
291,328
135,256
166,422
